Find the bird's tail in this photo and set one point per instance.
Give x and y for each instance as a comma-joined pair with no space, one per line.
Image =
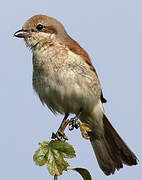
111,151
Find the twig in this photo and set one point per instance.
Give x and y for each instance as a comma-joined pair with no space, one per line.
55,177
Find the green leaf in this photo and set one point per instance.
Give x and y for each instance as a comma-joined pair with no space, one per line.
84,128
52,154
66,150
83,172
40,155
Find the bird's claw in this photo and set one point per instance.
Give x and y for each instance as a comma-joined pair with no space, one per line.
73,123
59,136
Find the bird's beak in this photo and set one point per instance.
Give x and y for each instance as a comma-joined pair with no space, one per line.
22,33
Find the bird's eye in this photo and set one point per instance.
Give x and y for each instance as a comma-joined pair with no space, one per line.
39,27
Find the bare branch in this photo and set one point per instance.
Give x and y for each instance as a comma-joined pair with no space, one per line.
55,177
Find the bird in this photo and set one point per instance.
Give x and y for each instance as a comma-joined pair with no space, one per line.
66,81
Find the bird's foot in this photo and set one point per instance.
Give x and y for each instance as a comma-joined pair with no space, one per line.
59,135
74,123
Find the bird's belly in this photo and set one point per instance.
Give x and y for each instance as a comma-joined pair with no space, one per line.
63,94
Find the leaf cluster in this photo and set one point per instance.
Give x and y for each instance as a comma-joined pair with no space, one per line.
52,154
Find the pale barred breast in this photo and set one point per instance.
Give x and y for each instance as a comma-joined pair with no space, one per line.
47,60
61,76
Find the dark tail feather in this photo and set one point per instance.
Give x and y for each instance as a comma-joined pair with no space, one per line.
111,151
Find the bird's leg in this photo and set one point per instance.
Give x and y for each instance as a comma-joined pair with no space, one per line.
60,133
73,121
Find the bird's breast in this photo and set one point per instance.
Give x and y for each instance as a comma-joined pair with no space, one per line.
64,83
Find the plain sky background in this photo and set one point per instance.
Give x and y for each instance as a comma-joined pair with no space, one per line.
111,32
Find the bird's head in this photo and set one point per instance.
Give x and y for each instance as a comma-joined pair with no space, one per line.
40,29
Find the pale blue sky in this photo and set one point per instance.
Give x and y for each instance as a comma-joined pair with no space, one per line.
111,32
